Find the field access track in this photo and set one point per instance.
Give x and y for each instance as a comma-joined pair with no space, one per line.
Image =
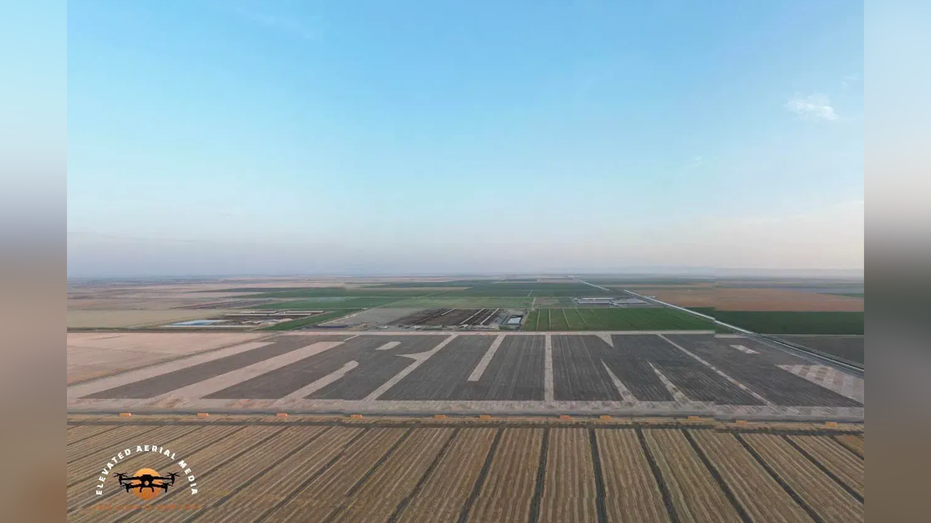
316,470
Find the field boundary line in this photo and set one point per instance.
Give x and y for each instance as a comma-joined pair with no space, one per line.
319,472
548,386
169,360
540,484
480,480
418,361
719,372
716,474
782,483
600,494
239,488
486,359
814,461
402,505
658,477
848,448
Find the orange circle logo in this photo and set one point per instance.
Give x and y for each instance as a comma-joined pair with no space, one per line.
146,483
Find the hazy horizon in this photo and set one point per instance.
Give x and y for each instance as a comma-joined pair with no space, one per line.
411,137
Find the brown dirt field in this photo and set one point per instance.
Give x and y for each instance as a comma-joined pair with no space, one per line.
569,491
754,489
108,319
511,480
695,494
819,491
93,354
756,299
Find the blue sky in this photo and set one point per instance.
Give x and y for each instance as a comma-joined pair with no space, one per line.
415,136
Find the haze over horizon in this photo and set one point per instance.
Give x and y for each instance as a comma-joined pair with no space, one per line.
215,138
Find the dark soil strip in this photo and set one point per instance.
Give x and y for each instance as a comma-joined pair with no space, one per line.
541,478
852,450
663,488
480,480
256,477
173,493
423,479
856,495
599,479
304,484
387,422
785,486
378,464
717,477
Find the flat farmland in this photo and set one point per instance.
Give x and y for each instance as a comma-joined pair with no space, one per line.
442,301
610,372
313,469
850,348
452,317
610,318
310,320
94,354
110,319
850,323
331,303
753,299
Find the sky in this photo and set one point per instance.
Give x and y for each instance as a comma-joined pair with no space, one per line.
371,137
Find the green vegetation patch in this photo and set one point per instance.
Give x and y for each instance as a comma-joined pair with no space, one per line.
312,320
326,292
529,290
613,319
332,302
442,301
795,322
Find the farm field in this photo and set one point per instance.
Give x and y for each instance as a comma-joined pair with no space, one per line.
314,469
609,372
753,299
595,318
93,354
850,348
452,317
795,322
110,319
442,301
310,321
331,303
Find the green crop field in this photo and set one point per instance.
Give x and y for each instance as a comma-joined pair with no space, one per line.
529,290
312,320
442,301
795,322
332,302
325,292
613,319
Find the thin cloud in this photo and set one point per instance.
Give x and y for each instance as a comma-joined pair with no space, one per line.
812,107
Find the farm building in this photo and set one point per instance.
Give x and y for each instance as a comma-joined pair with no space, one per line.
593,301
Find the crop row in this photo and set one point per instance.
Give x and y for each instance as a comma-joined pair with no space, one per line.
368,472
609,318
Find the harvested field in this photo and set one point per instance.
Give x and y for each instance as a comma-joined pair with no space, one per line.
334,302
756,299
815,489
94,354
453,317
310,321
613,319
328,469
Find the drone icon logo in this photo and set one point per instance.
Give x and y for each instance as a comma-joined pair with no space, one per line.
146,483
